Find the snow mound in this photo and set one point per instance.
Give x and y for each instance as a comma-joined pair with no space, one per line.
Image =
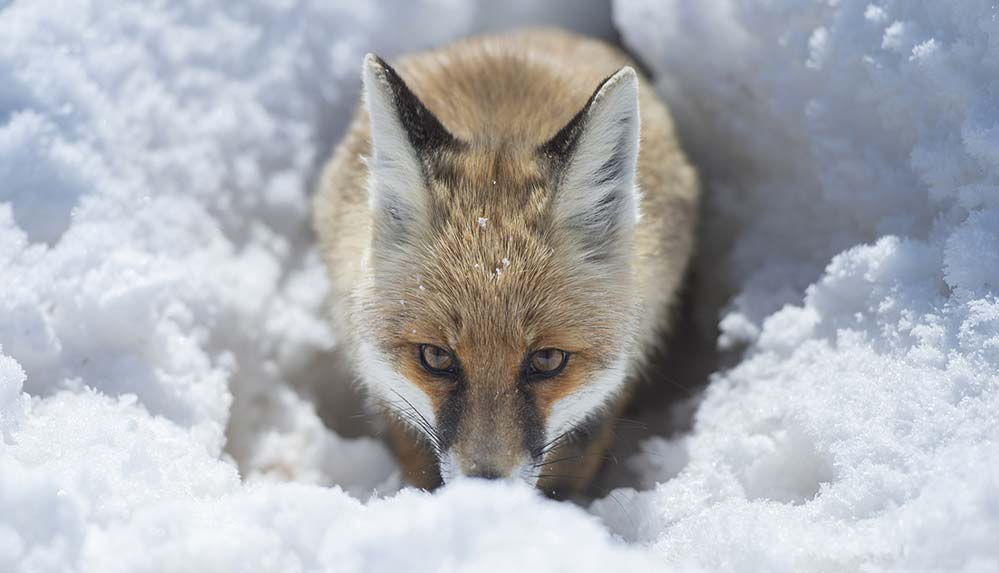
97,484
851,158
92,483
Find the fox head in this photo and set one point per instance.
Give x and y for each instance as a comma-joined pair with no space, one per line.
499,302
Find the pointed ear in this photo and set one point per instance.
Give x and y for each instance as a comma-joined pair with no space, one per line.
595,158
405,135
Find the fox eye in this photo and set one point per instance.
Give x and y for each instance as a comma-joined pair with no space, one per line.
436,359
548,362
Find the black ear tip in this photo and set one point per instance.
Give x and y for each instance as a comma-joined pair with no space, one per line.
376,67
373,63
424,130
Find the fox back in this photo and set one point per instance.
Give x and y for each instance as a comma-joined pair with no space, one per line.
505,226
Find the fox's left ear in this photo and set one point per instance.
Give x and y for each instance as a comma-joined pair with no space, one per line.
595,158
405,135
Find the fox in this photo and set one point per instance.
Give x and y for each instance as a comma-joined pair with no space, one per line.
505,225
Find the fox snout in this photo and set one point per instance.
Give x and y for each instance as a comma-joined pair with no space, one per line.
455,465
488,458
490,433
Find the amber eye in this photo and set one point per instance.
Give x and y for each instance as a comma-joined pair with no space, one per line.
548,361
436,359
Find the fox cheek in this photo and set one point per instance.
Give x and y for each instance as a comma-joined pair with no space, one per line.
394,391
587,401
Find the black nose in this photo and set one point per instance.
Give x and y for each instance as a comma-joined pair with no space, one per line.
486,473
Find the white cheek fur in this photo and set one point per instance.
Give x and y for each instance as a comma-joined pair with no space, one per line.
393,388
450,466
576,407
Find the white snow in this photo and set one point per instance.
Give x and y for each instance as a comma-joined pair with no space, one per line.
161,302
851,239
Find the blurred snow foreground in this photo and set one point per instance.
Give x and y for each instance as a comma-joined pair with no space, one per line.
158,291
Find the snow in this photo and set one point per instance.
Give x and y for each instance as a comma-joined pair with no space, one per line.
161,314
852,228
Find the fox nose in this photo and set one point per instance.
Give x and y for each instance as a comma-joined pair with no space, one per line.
491,469
486,472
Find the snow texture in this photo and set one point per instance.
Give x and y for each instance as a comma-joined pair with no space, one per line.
851,155
161,303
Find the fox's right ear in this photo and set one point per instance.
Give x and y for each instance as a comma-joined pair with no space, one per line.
595,161
404,137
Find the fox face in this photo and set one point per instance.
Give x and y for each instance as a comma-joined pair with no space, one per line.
498,306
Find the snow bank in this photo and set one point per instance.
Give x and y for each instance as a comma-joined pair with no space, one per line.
851,152
161,301
97,484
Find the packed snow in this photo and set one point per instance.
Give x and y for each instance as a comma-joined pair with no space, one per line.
161,302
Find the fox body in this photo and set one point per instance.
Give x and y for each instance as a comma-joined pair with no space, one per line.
503,251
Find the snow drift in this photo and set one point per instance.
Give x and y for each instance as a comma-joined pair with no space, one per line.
160,298
851,153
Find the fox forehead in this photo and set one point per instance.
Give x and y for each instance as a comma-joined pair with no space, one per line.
504,183
489,257
483,286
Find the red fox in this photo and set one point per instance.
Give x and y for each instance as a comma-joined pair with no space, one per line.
505,225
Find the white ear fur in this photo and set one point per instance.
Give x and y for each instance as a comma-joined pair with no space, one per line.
597,191
396,186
